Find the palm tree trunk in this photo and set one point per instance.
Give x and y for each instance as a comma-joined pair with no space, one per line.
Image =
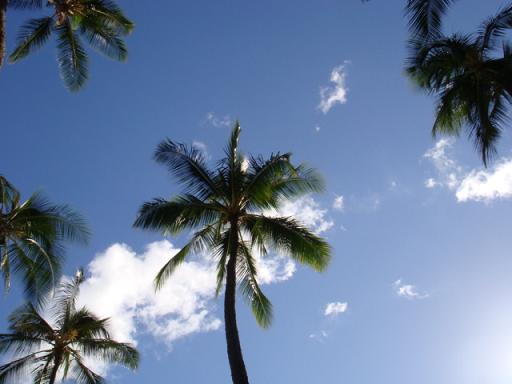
236,360
55,369
3,12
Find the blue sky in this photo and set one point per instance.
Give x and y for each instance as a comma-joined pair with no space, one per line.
421,237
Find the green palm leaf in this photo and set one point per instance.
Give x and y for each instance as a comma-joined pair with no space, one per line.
32,36
71,57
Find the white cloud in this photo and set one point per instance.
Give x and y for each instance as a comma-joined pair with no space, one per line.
339,203
487,185
317,128
447,169
476,185
307,211
336,93
408,291
120,286
320,336
335,308
219,121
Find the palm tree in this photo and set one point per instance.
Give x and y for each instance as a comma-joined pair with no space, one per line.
100,22
31,238
472,77
49,349
225,209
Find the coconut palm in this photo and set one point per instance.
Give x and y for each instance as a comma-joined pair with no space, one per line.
48,349
225,207
31,238
472,77
100,22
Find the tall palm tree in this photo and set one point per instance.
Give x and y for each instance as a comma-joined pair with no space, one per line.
100,22
472,77
31,238
49,349
225,209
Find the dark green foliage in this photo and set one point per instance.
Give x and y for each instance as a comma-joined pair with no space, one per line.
472,77
32,234
50,349
101,23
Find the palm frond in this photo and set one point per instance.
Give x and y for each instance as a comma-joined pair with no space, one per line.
26,321
17,367
110,15
188,165
84,375
250,289
103,38
289,237
25,4
425,16
32,35
202,239
72,57
494,28
110,351
174,216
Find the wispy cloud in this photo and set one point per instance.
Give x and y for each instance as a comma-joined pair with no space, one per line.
335,308
319,336
336,92
213,119
408,291
201,146
338,203
479,184
448,171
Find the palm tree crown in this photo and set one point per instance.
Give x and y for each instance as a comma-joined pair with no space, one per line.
31,238
225,209
51,349
472,76
101,23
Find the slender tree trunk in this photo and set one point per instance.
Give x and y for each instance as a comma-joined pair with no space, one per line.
3,12
236,360
55,369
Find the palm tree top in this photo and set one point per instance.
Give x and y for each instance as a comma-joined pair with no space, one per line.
32,236
470,74
56,346
225,209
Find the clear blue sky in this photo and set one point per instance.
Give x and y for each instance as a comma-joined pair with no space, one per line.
449,318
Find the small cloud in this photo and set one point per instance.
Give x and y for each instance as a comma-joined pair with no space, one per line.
487,185
448,171
336,93
408,291
320,336
201,147
317,128
430,183
219,121
338,203
393,184
335,308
